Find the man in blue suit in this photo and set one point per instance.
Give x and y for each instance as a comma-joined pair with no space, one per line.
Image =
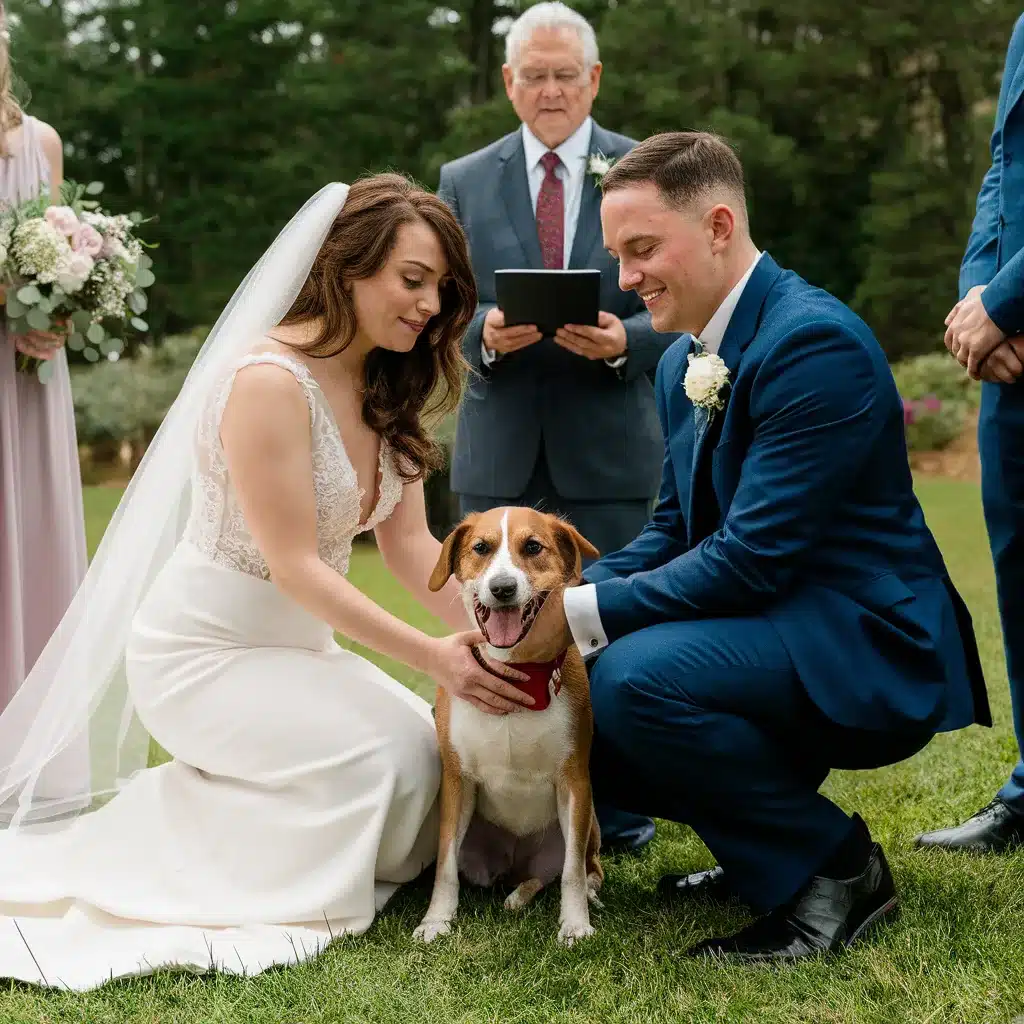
786,611
983,331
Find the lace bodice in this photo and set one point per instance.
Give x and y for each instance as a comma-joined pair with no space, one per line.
216,525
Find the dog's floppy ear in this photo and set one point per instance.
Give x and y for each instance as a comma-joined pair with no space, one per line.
574,547
450,550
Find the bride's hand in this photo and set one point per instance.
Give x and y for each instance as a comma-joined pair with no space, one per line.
454,666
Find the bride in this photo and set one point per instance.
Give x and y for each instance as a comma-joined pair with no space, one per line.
303,784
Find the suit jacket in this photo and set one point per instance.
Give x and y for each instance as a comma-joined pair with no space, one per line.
995,250
598,426
797,502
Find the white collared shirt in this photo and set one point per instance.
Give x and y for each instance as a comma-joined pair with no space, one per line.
580,603
711,337
572,172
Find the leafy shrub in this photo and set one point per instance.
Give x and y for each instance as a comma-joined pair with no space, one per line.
937,374
932,424
938,398
128,399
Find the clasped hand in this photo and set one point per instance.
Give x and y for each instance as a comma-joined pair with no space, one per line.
978,344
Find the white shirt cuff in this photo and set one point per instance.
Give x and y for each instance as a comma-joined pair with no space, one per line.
488,355
584,619
617,361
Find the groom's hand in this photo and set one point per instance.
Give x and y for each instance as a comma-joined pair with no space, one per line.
605,341
549,635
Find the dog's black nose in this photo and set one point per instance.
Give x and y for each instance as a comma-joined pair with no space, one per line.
503,588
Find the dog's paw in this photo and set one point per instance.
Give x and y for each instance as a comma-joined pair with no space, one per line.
571,931
523,894
430,930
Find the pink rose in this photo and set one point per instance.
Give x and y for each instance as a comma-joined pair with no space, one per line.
62,219
86,239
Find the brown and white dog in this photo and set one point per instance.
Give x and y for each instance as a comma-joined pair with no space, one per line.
516,803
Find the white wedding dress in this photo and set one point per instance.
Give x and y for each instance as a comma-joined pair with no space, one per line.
304,781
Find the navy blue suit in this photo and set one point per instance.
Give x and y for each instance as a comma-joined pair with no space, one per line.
995,259
786,611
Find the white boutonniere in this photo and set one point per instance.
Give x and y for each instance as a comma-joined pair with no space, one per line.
706,381
599,165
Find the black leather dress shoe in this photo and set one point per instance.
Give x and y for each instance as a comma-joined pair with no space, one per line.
826,916
631,841
712,885
994,829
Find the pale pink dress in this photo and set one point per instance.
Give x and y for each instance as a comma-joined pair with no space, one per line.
42,528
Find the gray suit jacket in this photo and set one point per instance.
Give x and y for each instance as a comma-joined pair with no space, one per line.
599,426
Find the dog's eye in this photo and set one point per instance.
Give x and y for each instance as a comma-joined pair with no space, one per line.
532,547
481,547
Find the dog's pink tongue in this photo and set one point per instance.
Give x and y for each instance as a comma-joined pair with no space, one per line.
504,626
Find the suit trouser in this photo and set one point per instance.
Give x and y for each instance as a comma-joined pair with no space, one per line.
1001,446
609,526
706,723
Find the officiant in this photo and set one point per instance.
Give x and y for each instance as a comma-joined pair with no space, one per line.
566,423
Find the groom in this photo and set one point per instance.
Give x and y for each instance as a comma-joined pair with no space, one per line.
786,611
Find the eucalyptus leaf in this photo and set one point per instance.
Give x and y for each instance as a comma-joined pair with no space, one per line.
38,320
45,370
94,188
29,295
135,217
108,345
76,342
96,334
14,307
91,354
44,304
138,302
145,277
139,324
81,319
145,262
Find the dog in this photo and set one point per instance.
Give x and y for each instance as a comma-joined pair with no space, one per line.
516,803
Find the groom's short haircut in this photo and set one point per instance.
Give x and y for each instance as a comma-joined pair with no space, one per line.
684,166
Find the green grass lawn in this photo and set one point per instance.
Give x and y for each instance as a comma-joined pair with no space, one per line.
954,955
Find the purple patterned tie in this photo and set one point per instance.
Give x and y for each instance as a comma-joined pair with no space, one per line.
551,214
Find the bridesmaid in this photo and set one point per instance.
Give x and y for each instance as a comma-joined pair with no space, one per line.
42,528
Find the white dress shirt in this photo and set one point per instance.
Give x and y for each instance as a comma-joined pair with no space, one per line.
580,603
572,172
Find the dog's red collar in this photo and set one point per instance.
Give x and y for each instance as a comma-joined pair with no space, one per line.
540,673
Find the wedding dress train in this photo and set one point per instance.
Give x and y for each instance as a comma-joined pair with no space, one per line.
304,780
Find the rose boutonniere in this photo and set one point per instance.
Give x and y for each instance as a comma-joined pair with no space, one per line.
599,165
706,381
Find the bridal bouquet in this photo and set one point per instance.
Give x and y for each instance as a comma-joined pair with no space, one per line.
74,269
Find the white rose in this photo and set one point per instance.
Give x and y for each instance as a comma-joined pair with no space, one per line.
600,165
705,377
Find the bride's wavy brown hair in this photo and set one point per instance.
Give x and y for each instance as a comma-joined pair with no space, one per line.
403,389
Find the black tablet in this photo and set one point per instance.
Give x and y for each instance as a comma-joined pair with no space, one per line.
548,298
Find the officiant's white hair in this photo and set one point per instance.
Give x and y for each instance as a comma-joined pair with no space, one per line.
552,15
